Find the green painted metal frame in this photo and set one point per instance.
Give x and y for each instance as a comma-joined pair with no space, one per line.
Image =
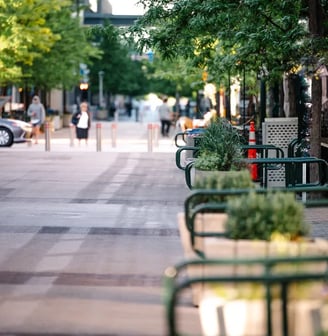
175,283
292,167
179,135
191,210
262,150
179,152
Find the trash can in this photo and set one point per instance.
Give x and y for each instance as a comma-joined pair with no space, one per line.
193,137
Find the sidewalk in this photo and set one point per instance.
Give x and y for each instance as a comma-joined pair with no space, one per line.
134,137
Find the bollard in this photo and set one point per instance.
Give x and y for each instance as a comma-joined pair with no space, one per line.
71,135
98,135
156,134
114,134
47,136
150,137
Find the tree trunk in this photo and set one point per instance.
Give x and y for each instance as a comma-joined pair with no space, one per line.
316,117
292,80
316,18
315,132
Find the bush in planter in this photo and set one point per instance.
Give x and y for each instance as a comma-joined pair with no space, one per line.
266,217
220,148
219,181
232,180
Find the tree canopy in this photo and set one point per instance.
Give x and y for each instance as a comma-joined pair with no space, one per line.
265,36
41,41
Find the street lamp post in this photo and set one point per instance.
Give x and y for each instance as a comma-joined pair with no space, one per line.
101,98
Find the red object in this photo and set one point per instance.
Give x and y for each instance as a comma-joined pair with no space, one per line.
252,152
98,125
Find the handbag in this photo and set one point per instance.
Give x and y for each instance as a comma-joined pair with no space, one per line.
75,119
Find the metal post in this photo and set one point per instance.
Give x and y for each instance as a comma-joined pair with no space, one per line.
156,134
98,134
71,135
114,134
304,181
150,137
47,136
101,98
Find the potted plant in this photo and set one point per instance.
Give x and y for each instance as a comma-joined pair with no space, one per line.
263,225
220,148
207,222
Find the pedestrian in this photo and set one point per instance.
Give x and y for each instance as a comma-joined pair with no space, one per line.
165,116
37,114
82,122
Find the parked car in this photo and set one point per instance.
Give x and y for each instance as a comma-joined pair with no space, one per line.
14,131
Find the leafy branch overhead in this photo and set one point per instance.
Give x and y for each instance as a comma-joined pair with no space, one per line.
230,34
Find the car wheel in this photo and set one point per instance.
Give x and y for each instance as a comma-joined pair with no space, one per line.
6,137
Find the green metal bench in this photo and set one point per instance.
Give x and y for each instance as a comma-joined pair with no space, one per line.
176,281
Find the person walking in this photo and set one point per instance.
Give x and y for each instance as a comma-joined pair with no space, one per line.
82,122
165,116
37,113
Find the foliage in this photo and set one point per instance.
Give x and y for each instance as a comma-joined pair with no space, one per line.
218,180
42,43
121,73
171,77
260,35
25,34
266,216
220,147
72,48
221,181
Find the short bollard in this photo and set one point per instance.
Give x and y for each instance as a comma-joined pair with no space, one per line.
156,134
150,137
114,134
47,136
71,135
98,134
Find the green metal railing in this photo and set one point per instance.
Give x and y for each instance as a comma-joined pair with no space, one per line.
293,166
263,152
192,154
175,281
202,201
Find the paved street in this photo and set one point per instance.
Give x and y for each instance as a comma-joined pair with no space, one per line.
85,235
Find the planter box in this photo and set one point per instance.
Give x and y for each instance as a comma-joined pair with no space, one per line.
67,119
57,122
239,310
203,223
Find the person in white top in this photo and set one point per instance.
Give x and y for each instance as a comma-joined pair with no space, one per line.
83,122
165,116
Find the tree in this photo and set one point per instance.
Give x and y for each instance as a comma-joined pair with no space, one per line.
59,67
269,37
24,34
122,75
